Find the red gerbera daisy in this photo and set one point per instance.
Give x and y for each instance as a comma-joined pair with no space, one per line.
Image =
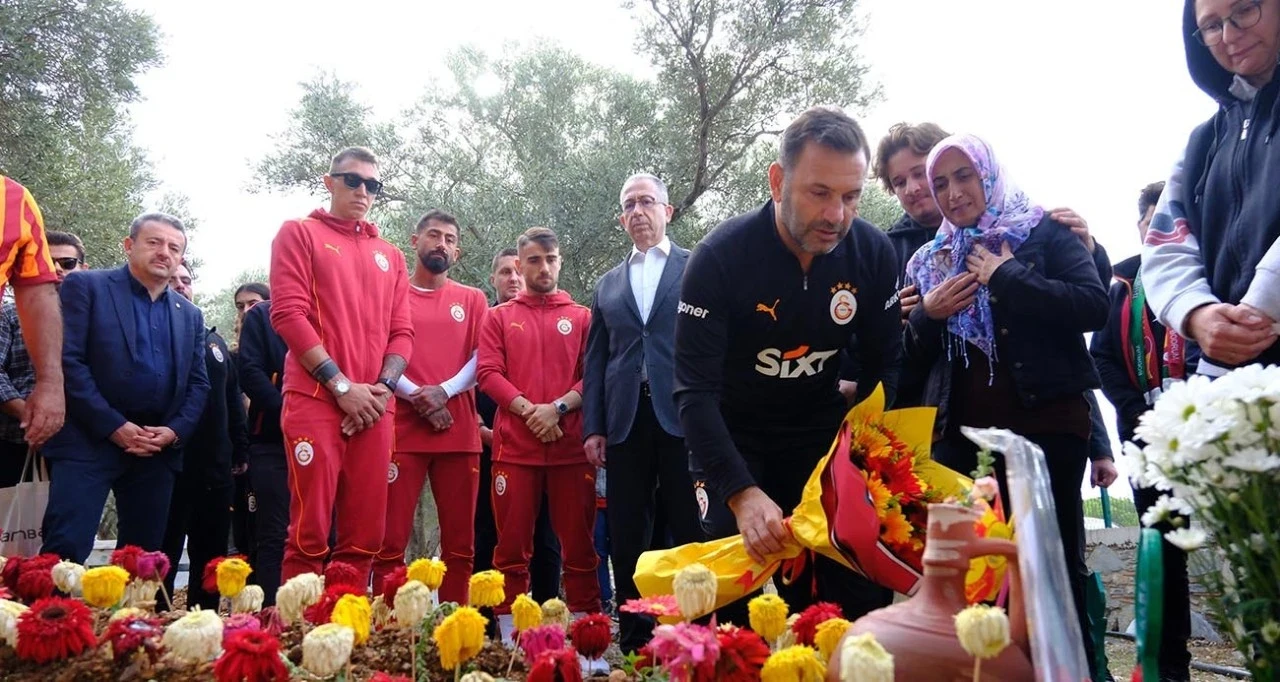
130,635
343,573
659,605
591,634
742,656
556,666
806,626
127,558
35,577
9,575
251,655
53,629
392,584
387,677
320,612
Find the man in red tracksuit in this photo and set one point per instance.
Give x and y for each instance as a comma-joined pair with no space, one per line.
437,428
340,304
530,363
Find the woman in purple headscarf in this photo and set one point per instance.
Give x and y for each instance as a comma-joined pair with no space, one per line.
1008,294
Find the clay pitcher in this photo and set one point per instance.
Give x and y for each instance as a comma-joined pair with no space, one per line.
921,633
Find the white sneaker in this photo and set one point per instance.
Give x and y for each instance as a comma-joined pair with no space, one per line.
591,666
507,628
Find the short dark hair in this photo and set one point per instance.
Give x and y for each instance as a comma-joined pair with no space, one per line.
156,217
56,238
504,252
542,236
358,153
1149,197
826,125
919,138
438,216
254,288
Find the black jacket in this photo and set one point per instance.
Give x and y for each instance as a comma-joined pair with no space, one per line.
220,440
1043,301
261,366
907,236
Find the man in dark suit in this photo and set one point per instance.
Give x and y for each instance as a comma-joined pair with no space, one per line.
133,356
628,409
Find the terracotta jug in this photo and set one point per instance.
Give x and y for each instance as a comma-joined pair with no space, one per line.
921,633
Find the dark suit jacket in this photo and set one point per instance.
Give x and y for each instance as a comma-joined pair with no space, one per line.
99,330
617,341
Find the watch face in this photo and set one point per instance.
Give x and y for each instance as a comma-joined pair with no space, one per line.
342,387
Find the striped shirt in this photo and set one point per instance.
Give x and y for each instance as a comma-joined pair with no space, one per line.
24,253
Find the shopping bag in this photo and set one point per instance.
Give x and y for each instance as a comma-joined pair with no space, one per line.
22,509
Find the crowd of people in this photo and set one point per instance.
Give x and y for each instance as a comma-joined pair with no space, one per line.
707,383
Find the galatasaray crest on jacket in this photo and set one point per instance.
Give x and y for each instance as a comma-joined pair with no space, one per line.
217,352
457,312
565,326
393,472
844,305
380,259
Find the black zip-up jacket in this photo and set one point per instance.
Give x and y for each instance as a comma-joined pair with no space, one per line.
261,363
220,440
758,341
907,236
1043,300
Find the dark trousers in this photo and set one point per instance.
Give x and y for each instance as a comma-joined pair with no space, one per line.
200,514
78,490
242,521
1066,457
1175,660
782,476
269,477
648,476
12,458
544,566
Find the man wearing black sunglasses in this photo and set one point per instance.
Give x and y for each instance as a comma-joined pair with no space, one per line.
340,302
17,373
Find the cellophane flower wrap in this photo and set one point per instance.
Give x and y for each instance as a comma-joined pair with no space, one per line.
1214,446
864,506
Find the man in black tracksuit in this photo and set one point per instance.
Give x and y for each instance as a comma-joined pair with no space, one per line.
261,366
768,302
200,509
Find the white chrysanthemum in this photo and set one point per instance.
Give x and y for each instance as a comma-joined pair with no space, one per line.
1162,510
1271,632
141,594
1253,460
326,649
296,594
194,638
477,676
128,612
862,659
382,616
66,577
9,612
248,600
1186,539
413,601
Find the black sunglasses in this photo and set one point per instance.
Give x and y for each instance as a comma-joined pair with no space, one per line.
68,263
353,181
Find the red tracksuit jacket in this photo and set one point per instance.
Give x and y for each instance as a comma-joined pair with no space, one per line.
336,282
534,346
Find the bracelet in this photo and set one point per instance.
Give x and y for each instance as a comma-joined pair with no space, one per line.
325,371
389,383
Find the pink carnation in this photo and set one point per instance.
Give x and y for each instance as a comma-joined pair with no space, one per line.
240,622
153,566
542,638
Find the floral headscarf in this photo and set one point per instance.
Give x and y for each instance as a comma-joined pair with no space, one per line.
1009,217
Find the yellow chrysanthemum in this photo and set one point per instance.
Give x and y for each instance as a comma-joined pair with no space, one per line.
525,613
460,637
556,612
880,495
895,529
429,572
797,663
232,574
767,615
486,589
103,586
354,612
828,636
983,630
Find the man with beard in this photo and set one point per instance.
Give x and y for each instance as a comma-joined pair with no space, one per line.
769,300
437,430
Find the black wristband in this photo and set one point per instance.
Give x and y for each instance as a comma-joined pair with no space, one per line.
389,383
325,371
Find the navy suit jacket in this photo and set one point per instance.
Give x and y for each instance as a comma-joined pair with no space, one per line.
616,343
98,331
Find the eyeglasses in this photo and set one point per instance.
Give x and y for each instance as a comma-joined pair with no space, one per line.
643,203
68,263
1242,17
354,180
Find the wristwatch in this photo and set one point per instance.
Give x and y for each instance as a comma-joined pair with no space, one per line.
562,408
341,388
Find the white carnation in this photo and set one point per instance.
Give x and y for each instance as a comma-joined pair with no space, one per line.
66,577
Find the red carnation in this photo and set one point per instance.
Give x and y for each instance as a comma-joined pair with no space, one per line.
130,635
127,558
53,629
271,620
392,584
320,612
387,677
742,656
555,666
806,626
591,634
9,576
250,656
343,573
35,578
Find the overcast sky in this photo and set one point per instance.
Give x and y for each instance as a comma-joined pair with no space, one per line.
1085,101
